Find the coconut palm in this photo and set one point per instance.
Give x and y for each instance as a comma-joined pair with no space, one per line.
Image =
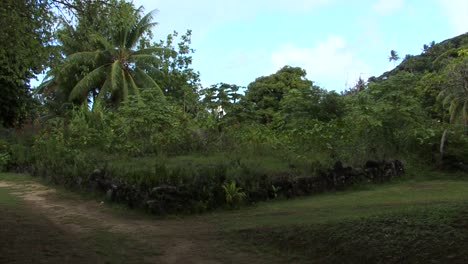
393,56
114,71
455,94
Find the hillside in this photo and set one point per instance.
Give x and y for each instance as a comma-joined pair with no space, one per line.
433,58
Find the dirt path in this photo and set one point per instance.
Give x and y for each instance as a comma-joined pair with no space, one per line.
117,238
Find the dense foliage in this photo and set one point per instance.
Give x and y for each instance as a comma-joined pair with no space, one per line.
117,101
24,50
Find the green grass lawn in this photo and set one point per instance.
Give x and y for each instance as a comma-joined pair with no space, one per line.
353,204
409,221
6,199
15,177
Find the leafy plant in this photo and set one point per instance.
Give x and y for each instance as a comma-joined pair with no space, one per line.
234,195
4,160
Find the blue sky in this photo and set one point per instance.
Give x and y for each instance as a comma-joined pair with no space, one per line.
336,41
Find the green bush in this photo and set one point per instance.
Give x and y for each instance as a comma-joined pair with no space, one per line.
234,194
5,157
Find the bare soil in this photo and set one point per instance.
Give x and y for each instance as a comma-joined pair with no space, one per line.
49,228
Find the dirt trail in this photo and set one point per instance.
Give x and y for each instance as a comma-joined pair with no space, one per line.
190,240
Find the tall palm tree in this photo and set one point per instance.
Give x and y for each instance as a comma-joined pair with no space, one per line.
455,94
115,71
393,56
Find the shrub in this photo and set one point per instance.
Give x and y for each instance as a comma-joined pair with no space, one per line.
5,157
234,195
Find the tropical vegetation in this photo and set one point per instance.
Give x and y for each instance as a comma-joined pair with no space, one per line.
126,115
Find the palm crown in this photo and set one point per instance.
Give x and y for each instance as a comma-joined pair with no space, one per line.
455,94
115,70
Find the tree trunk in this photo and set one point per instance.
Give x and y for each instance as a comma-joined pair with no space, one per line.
441,150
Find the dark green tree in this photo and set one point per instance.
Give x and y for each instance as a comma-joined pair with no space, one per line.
221,98
264,95
384,117
312,103
25,50
455,93
179,82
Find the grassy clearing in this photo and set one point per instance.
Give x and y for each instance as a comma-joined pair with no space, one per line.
29,236
6,199
119,248
410,221
349,205
436,234
15,177
419,219
102,234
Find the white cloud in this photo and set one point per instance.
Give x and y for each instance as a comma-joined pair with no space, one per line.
386,7
457,13
329,61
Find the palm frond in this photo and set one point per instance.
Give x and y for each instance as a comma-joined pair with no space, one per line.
465,111
46,87
124,87
137,31
47,84
85,57
146,81
152,50
144,58
90,81
455,110
105,89
132,85
102,42
116,75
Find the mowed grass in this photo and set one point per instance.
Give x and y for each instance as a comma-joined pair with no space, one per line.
408,221
7,199
15,177
353,204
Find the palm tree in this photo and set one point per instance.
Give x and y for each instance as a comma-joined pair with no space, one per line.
393,56
455,94
116,69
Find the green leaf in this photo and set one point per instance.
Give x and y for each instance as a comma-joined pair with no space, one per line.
116,75
137,31
144,58
85,57
151,51
90,81
146,81
133,87
124,87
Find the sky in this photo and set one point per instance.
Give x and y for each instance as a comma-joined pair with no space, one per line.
335,41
